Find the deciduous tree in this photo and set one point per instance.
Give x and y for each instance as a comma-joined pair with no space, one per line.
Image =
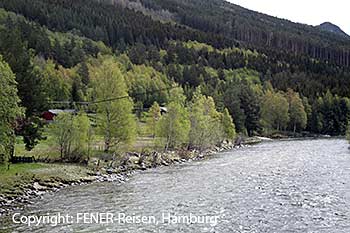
72,133
153,117
228,125
297,113
114,109
173,128
274,111
206,128
9,111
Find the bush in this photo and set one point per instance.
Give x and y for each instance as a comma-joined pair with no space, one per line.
73,135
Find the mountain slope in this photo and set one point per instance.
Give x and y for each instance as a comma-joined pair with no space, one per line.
257,30
115,26
327,26
214,22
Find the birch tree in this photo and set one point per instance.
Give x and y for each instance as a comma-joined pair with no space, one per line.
173,128
206,125
152,119
115,119
274,111
297,113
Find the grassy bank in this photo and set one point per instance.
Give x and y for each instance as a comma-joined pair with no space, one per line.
21,182
22,179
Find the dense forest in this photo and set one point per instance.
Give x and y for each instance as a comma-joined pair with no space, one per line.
218,69
255,29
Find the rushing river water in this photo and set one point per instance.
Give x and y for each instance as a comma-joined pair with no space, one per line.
282,186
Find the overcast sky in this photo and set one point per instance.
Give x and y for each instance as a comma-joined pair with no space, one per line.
311,12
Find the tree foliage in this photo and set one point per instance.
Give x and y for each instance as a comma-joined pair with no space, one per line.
275,111
173,128
228,125
297,113
153,117
146,85
74,51
114,117
72,134
9,111
206,126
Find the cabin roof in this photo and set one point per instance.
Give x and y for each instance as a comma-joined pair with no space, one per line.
59,111
163,109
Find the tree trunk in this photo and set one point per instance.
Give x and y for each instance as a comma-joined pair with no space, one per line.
12,146
61,151
108,133
107,145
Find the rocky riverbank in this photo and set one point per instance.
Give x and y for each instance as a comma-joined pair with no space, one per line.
48,180
53,177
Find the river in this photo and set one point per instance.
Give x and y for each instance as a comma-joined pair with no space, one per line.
279,186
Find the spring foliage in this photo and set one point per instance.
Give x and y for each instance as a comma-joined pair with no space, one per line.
297,113
64,54
173,128
153,117
72,134
274,111
9,110
198,126
114,118
229,128
206,128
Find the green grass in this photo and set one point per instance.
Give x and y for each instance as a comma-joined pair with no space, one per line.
19,168
17,178
48,150
45,149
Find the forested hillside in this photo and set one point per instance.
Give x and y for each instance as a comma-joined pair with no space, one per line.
218,69
327,26
257,30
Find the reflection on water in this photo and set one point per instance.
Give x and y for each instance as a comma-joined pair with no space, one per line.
284,186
